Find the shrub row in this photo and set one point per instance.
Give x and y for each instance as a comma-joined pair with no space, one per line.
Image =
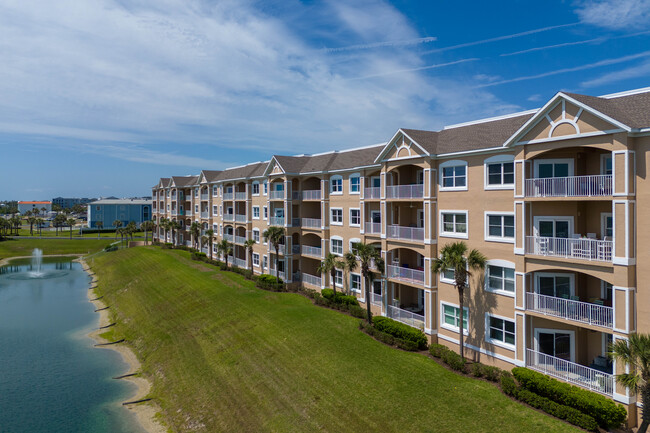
387,338
338,297
567,413
493,374
269,282
339,302
606,413
401,331
448,356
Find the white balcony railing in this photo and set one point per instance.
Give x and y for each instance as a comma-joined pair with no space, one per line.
240,263
277,221
310,223
406,233
373,192
240,240
228,237
373,228
581,248
240,195
205,214
405,274
571,186
313,194
405,191
583,312
240,218
310,279
407,317
280,274
229,217
228,195
276,195
204,196
376,299
174,212
311,251
585,377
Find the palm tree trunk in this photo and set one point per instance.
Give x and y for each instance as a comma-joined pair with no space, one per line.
277,263
250,260
461,330
368,312
333,275
645,414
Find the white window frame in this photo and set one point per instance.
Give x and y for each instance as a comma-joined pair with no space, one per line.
215,210
453,234
266,187
498,159
354,176
603,162
353,241
502,264
352,289
220,209
256,208
504,239
256,235
265,262
444,279
572,339
351,223
265,212
570,161
499,343
603,224
336,238
336,178
215,191
571,276
255,183
444,325
338,277
537,219
336,223
256,256
452,163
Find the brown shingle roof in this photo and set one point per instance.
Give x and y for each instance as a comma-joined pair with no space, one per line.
631,110
211,175
337,160
181,181
427,139
251,170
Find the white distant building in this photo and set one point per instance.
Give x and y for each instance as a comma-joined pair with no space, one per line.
24,206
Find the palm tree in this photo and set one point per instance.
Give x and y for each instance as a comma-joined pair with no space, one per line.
100,226
275,235
635,352
348,264
32,221
70,222
39,224
16,222
164,224
131,228
329,266
248,245
195,231
368,256
225,248
117,224
453,256
147,226
210,235
174,226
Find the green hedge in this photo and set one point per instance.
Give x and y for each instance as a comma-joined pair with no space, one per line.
569,414
387,338
508,384
401,331
607,413
198,256
493,374
269,282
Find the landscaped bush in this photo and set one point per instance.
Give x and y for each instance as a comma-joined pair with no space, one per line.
569,414
357,311
269,282
476,369
436,350
167,246
345,299
606,413
387,338
327,293
493,374
198,256
401,331
453,360
508,385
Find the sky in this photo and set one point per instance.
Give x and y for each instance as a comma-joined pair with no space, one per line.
104,97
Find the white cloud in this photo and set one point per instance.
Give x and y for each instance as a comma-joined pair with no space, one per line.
615,14
534,98
642,70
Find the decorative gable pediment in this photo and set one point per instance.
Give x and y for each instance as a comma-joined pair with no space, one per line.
274,167
399,147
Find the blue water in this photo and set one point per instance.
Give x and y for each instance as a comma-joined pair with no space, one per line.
52,379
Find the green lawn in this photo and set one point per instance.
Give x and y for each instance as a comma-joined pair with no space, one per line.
65,232
24,247
225,356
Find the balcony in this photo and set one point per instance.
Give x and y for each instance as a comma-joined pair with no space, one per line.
311,251
276,195
570,248
277,221
204,196
313,194
407,317
240,218
295,222
229,217
240,240
405,191
295,249
205,214
571,186
373,228
570,309
279,274
371,193
311,280
295,195
228,195
376,299
405,233
576,374
228,237
313,223
240,195
174,212
407,275
240,263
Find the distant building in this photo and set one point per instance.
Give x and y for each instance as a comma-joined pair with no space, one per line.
24,206
126,210
67,203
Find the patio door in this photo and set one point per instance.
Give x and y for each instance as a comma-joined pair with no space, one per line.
375,182
558,286
547,169
554,228
555,343
375,216
279,212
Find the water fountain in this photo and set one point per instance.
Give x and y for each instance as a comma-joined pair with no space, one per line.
37,260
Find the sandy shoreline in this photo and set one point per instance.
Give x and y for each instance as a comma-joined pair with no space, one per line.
6,261
144,412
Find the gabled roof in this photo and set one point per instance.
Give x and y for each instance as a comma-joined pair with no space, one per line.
183,181
632,110
255,169
480,135
211,175
163,182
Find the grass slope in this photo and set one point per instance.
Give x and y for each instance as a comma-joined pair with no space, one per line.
24,247
225,356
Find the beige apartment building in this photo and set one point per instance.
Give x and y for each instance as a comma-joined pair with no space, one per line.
551,196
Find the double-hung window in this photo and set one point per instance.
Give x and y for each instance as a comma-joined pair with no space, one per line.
500,174
256,260
500,279
338,278
453,175
256,188
336,216
500,227
500,331
355,184
453,224
256,236
355,283
266,212
451,317
337,246
336,185
256,212
355,217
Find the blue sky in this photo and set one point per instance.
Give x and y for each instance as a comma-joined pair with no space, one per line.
104,97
